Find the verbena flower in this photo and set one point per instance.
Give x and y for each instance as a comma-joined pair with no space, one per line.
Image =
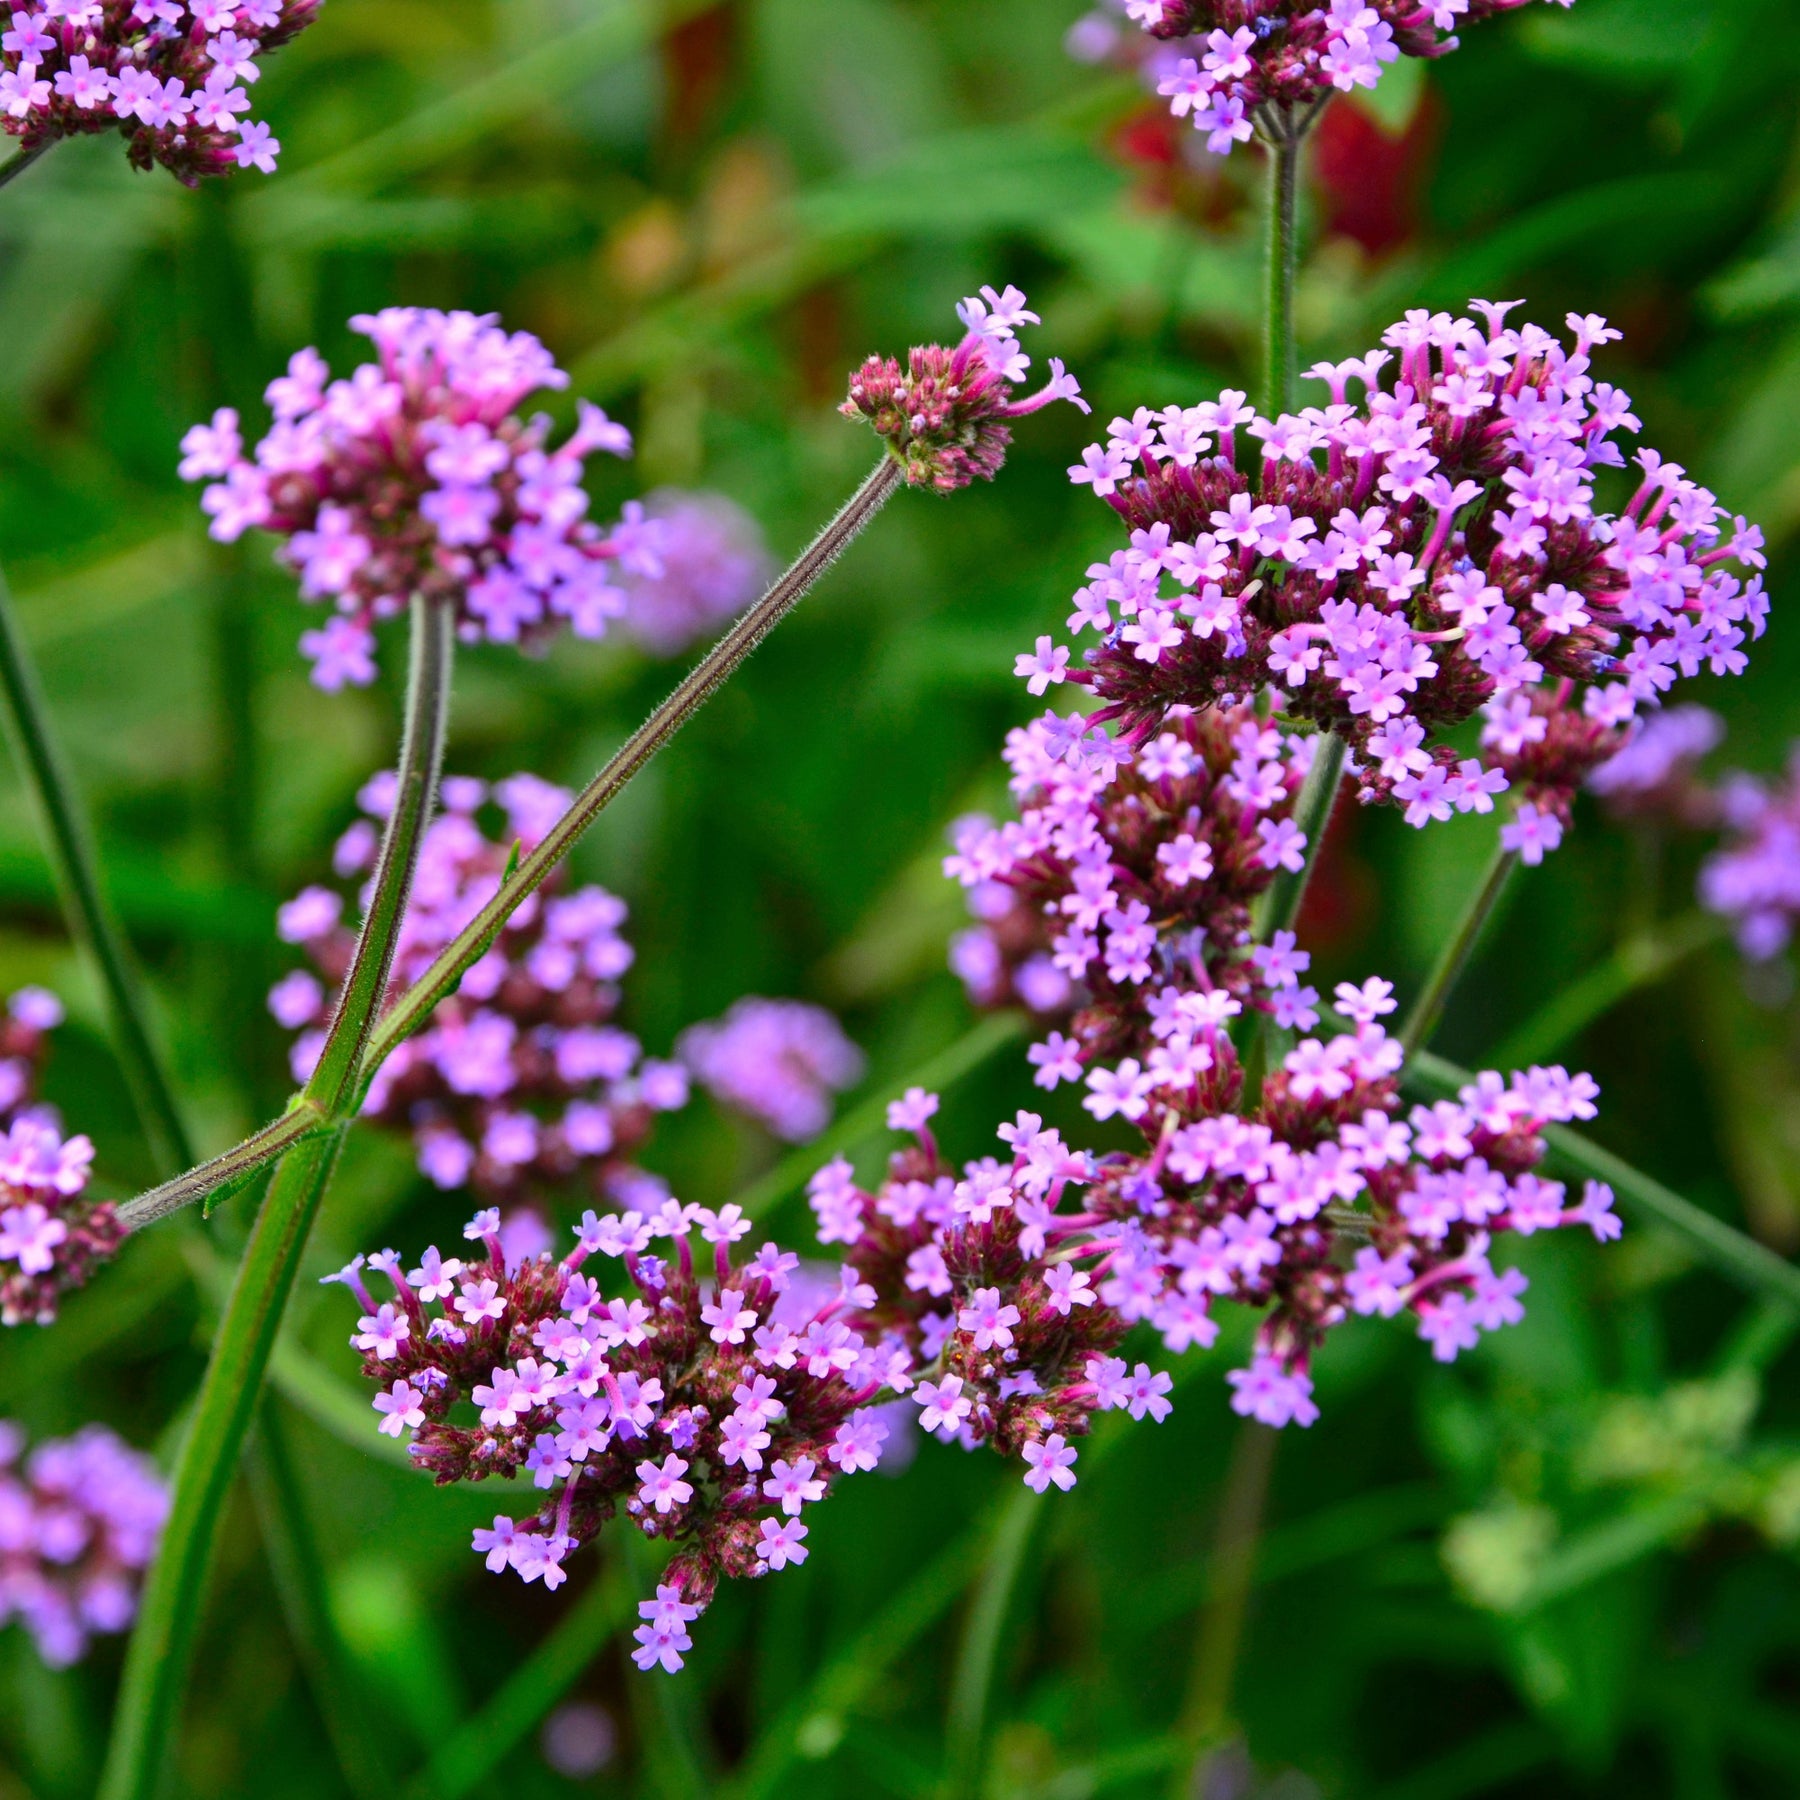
1753,878
1656,774
944,416
710,1403
52,1235
1395,566
712,564
1223,64
1123,866
170,77
521,1085
417,476
777,1061
79,1521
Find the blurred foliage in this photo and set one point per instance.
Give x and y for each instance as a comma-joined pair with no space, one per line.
1563,1567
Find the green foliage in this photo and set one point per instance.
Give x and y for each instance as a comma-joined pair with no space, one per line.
1563,1567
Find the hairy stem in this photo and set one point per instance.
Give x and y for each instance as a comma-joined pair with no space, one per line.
972,1683
1428,1009
332,1087
228,1170
1639,962
162,1645
412,1009
1283,266
17,166
1221,1627
90,919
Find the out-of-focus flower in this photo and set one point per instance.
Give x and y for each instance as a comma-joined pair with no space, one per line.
944,417
417,476
521,1085
79,1521
711,1405
713,564
777,1061
170,78
1392,567
1226,64
52,1235
1656,774
1753,878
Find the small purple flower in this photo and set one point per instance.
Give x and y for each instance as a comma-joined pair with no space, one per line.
777,1061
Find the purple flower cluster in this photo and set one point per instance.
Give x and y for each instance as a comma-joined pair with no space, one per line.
1121,864
1655,775
1228,64
171,76
52,1236
713,563
1753,878
521,1083
417,476
1395,566
710,1404
944,417
1317,1202
79,1521
777,1061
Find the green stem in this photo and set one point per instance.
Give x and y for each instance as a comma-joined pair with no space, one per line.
90,919
1735,1255
222,1173
162,1645
1428,1009
972,1684
17,165
156,1665
1312,813
299,1572
332,1087
1639,962
475,1749
1283,267
1221,1628
412,1009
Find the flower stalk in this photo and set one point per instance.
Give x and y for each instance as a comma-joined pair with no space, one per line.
162,1647
1428,1009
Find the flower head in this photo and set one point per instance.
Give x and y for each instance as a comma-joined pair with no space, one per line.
79,1521
1395,564
416,475
945,416
777,1061
170,78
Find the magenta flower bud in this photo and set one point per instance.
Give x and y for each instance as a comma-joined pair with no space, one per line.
944,417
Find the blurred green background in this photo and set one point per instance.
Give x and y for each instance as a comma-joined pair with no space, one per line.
1565,1566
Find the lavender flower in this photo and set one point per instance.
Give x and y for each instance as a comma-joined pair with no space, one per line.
713,564
417,476
1753,878
521,1084
711,1406
1393,568
777,1061
1655,775
1122,865
52,1236
168,76
1227,65
944,416
79,1520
